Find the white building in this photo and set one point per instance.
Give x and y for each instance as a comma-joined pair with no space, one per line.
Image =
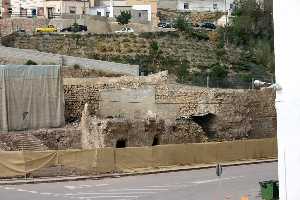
196,5
59,7
141,10
27,7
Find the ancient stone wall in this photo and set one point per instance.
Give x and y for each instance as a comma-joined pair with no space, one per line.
68,137
99,132
79,91
221,113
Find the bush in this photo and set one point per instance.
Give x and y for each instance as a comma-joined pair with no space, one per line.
30,62
76,66
218,71
220,52
199,35
124,17
182,24
182,73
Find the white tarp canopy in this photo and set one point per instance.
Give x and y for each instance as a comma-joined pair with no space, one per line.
31,97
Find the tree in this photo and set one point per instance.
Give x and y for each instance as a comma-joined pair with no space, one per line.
155,53
252,28
182,73
218,71
124,17
182,24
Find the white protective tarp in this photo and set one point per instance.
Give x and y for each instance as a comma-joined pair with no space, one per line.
31,97
287,43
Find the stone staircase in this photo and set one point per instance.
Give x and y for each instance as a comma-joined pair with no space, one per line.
28,142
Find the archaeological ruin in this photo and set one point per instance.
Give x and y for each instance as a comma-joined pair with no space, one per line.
129,111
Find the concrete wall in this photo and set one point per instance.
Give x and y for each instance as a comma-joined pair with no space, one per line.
20,56
167,4
128,103
95,24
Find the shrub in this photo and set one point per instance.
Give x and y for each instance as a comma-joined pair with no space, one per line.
218,71
124,17
30,62
199,35
182,24
76,66
220,52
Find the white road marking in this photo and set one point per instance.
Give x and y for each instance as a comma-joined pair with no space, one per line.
217,179
138,189
73,187
46,193
157,186
108,193
106,196
70,187
9,188
21,190
33,192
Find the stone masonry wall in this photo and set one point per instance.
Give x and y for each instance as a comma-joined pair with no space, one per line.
238,113
79,91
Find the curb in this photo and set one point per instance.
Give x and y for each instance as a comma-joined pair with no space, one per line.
118,175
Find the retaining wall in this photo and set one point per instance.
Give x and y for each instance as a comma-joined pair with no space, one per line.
20,56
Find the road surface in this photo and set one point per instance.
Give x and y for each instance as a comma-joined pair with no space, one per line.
202,184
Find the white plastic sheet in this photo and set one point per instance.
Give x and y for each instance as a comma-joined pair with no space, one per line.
31,97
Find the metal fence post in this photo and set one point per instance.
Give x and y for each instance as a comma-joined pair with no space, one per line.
207,81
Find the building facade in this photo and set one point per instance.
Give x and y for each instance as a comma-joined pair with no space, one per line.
26,8
196,5
141,10
55,8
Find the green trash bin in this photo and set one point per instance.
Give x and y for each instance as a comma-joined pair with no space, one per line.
269,190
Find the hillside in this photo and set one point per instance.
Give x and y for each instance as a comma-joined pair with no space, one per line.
188,57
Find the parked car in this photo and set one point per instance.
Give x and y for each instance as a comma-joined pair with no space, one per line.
20,30
75,28
125,30
48,29
208,25
166,25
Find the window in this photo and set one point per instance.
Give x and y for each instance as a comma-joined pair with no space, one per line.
140,15
72,10
186,6
33,12
231,6
99,13
10,11
107,14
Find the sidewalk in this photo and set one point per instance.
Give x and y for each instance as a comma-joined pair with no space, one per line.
135,172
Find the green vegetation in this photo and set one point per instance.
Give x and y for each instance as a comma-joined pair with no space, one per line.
124,18
218,71
30,62
76,66
252,29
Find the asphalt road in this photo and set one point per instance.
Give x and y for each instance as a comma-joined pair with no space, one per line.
203,184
